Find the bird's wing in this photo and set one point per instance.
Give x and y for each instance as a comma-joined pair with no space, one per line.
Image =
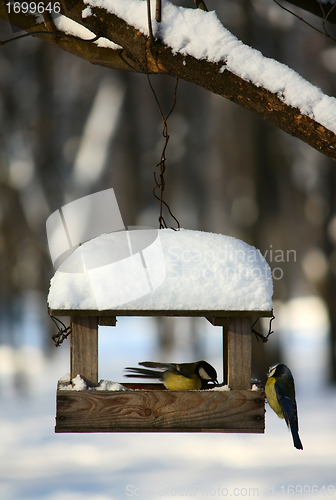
157,364
289,411
287,405
143,373
171,367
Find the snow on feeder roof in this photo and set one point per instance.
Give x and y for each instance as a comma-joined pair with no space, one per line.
162,270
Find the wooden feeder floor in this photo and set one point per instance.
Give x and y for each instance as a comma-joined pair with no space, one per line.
155,409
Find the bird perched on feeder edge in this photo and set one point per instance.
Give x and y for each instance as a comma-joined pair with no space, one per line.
177,377
280,393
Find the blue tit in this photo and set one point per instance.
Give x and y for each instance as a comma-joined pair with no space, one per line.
280,393
177,377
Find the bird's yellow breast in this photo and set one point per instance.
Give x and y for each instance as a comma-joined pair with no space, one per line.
176,382
272,397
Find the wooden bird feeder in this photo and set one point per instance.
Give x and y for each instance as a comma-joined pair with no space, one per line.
150,407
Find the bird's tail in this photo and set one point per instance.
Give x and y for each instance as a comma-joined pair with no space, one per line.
143,373
295,435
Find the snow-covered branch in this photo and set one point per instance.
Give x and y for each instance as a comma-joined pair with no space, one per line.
193,45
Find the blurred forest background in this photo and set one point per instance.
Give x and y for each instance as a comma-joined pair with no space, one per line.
68,129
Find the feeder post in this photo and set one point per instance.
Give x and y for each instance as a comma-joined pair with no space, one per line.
237,352
84,348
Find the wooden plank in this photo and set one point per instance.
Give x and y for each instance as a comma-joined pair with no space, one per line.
147,312
222,320
84,348
160,411
107,321
218,320
237,353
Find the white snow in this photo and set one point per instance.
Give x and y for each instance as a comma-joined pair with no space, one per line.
65,379
200,34
87,12
108,385
70,27
220,388
179,270
78,384
255,387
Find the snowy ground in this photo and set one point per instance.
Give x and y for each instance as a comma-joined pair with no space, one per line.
36,463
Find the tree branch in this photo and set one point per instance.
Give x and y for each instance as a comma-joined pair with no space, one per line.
138,52
116,59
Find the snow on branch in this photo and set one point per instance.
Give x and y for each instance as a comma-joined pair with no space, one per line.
193,45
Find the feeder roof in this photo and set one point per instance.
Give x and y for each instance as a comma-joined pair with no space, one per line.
163,270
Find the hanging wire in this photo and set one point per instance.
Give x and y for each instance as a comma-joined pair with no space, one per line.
159,179
62,333
160,182
260,335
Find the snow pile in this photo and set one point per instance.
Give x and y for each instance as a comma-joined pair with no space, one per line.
220,388
200,34
108,385
78,384
177,271
70,27
256,387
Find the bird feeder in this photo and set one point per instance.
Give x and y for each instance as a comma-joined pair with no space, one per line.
162,273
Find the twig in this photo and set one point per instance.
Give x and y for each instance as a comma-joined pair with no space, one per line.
201,5
158,13
149,19
56,34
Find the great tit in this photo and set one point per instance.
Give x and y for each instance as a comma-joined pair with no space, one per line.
177,377
280,393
